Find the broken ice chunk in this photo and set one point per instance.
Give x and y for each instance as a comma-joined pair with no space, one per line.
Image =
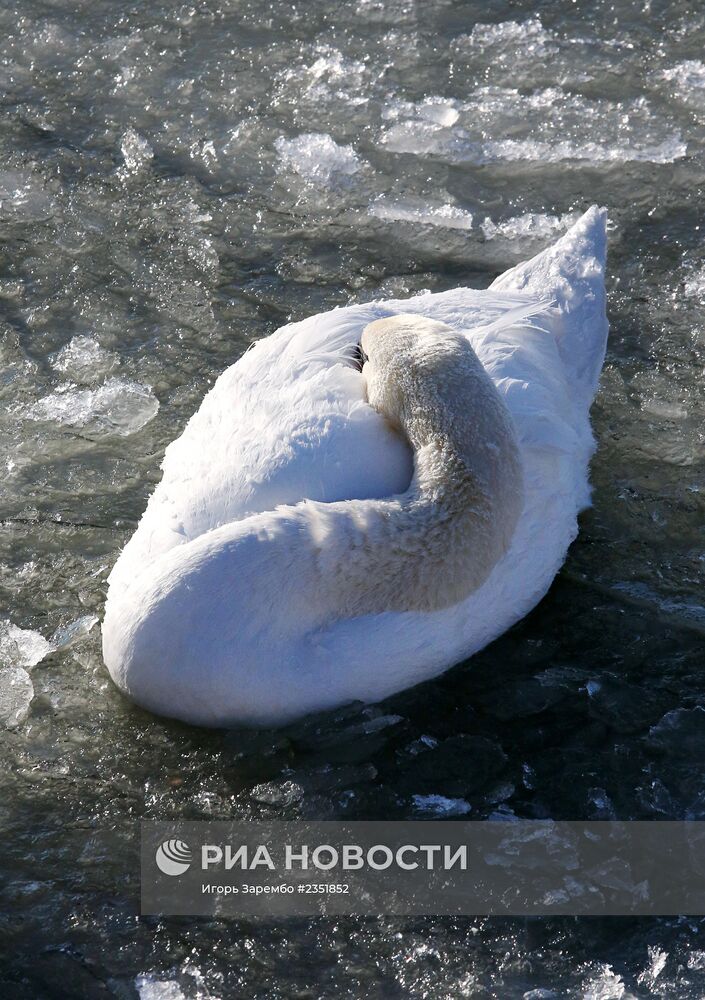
136,151
116,407
150,987
21,647
84,359
318,159
70,634
439,805
16,693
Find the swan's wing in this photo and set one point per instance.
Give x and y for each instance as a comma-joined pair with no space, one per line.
545,346
288,421
572,273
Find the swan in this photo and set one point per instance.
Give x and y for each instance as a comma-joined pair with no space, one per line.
366,498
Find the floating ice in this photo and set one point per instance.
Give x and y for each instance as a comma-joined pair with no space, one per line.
16,693
318,159
117,407
527,54
656,964
688,79
23,195
529,34
333,66
20,647
187,983
532,225
72,633
547,126
330,76
136,151
695,284
421,212
274,793
84,359
435,110
604,984
696,960
439,805
151,988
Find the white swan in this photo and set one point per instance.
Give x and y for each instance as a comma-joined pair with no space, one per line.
322,535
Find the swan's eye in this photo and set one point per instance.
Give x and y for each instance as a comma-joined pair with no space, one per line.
359,357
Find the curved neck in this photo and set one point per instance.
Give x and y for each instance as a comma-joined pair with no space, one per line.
433,545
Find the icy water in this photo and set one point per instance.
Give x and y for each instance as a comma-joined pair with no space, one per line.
176,181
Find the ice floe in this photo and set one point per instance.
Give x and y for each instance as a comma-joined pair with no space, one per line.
695,284
20,647
688,81
440,805
526,35
532,225
547,126
119,406
69,635
24,195
151,988
421,212
136,151
84,359
604,984
317,158
16,693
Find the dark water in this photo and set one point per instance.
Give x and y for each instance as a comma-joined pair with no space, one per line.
179,180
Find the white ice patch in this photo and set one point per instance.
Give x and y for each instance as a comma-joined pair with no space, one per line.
151,988
70,634
655,966
439,805
23,196
20,647
136,152
318,159
438,111
84,359
273,793
547,126
528,55
530,226
116,407
331,76
528,35
688,80
331,65
421,212
604,984
695,284
16,693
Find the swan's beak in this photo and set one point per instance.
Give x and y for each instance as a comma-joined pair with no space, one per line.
359,357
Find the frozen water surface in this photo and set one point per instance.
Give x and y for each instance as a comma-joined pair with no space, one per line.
176,181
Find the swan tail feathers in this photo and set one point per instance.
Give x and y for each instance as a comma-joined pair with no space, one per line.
572,274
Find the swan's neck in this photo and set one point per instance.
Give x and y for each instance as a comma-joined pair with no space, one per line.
436,543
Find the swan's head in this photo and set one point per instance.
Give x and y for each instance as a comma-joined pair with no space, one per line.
401,357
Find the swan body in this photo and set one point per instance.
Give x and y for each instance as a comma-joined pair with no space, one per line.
323,534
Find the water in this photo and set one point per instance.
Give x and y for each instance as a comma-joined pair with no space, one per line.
176,181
